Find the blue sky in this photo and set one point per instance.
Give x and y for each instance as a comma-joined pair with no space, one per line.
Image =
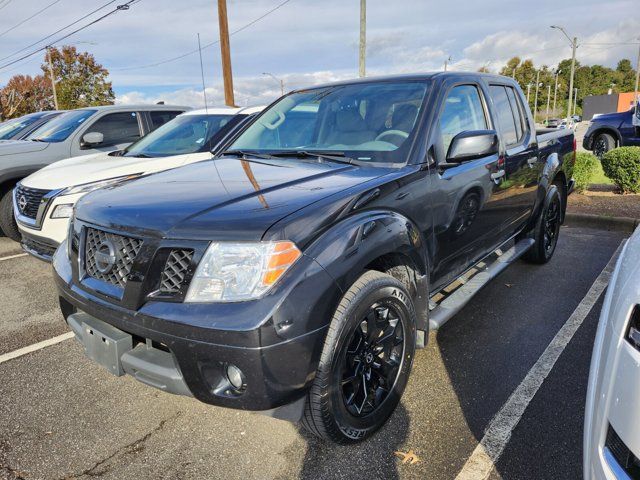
310,41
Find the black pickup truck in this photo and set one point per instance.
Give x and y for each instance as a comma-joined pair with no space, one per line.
611,130
297,272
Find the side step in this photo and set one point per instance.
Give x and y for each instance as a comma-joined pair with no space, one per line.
454,302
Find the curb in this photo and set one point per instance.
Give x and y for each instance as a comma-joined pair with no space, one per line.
602,222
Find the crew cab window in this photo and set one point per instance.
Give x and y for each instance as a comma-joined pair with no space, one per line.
121,127
159,118
508,114
462,112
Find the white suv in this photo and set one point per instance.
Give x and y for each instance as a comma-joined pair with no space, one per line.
43,202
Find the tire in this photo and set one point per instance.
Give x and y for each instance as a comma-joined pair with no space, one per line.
341,405
602,144
7,222
547,229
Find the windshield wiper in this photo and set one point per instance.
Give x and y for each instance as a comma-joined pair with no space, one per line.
338,157
243,153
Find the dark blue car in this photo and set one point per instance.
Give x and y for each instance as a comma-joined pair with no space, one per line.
612,130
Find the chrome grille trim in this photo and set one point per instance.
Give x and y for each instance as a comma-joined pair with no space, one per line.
125,250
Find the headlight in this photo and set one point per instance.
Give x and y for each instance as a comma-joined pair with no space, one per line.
89,187
234,272
62,211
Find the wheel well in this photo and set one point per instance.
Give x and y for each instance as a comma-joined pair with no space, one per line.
400,267
560,180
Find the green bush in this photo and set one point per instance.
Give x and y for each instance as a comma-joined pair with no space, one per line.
584,170
622,165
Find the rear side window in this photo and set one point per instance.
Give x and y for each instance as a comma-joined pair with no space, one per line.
462,112
117,128
509,114
159,118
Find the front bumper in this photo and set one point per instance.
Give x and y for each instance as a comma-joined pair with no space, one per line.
275,341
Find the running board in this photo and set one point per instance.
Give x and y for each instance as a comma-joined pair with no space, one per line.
453,303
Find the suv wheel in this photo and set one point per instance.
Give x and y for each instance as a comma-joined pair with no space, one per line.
547,229
602,144
365,362
7,222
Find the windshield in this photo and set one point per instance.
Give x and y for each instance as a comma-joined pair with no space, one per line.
59,129
10,128
184,134
371,122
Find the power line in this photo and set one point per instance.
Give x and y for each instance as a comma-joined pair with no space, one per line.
173,59
58,31
124,6
29,18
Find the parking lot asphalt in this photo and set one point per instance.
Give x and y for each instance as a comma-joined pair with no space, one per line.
62,417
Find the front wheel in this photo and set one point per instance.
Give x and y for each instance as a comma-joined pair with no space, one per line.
7,222
602,144
365,362
547,229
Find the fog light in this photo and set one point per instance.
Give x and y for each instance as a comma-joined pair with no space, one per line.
63,211
235,377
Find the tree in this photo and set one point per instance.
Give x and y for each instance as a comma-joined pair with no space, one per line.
80,80
25,94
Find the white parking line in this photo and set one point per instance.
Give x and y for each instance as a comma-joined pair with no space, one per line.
36,346
2,259
497,435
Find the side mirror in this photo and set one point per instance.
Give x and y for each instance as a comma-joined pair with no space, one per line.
92,138
473,144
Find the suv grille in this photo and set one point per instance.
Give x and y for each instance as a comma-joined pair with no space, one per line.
28,200
629,463
109,257
175,270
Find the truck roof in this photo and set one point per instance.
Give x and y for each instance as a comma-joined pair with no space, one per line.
122,107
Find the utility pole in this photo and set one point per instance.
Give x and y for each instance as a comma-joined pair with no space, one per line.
548,100
555,91
574,45
53,79
204,90
535,102
446,63
225,50
363,38
279,80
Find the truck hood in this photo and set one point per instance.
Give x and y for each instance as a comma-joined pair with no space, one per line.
222,199
101,166
613,118
14,147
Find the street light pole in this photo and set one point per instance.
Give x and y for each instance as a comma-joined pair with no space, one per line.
528,93
548,100
555,91
363,37
279,80
574,45
53,79
446,63
535,102
575,102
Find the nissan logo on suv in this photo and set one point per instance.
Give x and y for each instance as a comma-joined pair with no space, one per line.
22,203
105,256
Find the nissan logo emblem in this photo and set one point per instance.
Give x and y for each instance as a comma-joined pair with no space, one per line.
22,203
105,256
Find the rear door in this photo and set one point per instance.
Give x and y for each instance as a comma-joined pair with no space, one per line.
521,163
467,212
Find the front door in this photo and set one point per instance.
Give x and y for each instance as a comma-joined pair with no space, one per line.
467,216
522,166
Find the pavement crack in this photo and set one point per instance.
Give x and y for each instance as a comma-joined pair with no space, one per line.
12,472
101,467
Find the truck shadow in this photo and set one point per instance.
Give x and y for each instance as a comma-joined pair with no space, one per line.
373,458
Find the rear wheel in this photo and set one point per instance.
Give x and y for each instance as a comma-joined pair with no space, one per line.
7,222
365,361
547,229
602,144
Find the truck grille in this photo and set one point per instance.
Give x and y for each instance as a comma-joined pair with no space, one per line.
28,200
109,257
175,270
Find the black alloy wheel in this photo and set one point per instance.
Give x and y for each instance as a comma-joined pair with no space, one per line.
551,226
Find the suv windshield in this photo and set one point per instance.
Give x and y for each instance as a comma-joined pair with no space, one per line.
372,122
184,134
59,129
13,127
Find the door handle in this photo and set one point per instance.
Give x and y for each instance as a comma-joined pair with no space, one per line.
532,161
497,176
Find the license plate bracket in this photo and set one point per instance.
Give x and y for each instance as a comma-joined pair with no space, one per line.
105,344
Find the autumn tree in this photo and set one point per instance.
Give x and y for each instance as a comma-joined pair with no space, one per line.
80,80
25,94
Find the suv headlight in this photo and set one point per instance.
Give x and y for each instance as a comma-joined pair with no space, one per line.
235,272
90,187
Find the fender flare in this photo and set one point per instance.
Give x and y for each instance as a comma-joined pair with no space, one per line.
349,247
